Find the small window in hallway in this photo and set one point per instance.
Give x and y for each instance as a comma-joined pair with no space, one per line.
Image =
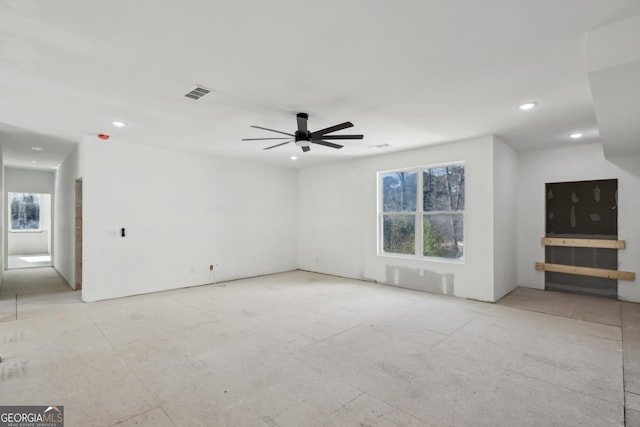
25,211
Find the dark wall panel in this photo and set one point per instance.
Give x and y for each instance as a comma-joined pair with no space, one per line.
583,209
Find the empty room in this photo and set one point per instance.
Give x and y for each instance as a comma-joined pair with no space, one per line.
351,213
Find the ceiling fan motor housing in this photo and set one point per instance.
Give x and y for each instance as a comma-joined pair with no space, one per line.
302,136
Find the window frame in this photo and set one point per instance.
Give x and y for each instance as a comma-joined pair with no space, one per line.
10,221
418,214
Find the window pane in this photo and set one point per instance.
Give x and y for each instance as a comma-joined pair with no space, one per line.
399,192
443,188
25,211
443,235
399,233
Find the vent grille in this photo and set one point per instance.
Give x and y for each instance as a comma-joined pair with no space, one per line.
198,92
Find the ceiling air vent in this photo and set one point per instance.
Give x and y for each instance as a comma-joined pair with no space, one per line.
198,92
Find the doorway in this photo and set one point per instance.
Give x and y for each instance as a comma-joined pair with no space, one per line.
78,235
29,230
582,210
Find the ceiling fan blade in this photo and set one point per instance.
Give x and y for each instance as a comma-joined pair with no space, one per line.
342,137
327,144
277,145
272,130
302,118
305,149
331,129
260,139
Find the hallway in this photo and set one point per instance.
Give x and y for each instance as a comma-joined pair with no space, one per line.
33,292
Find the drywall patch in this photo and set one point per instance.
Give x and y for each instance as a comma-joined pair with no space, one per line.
420,279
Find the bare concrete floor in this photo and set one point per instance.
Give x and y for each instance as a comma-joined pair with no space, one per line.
303,349
609,312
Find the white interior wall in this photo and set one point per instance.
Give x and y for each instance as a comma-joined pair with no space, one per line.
64,210
181,213
579,163
505,178
338,222
334,207
29,180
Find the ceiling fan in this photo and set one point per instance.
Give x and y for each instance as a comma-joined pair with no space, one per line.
303,138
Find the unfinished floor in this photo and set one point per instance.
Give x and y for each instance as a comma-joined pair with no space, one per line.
28,261
303,349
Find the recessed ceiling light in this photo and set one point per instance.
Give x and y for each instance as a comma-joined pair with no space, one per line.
37,148
118,124
527,106
576,135
294,157
34,161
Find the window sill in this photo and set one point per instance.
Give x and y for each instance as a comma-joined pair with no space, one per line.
459,261
25,231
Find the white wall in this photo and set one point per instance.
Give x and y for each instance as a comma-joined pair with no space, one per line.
28,243
181,213
252,220
505,179
64,210
29,181
579,163
338,222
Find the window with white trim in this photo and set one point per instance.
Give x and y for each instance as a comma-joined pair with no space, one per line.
24,211
421,212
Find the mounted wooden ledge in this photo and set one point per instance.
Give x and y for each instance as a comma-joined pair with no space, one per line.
584,243
586,271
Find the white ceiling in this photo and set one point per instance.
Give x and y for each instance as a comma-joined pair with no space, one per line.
407,73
